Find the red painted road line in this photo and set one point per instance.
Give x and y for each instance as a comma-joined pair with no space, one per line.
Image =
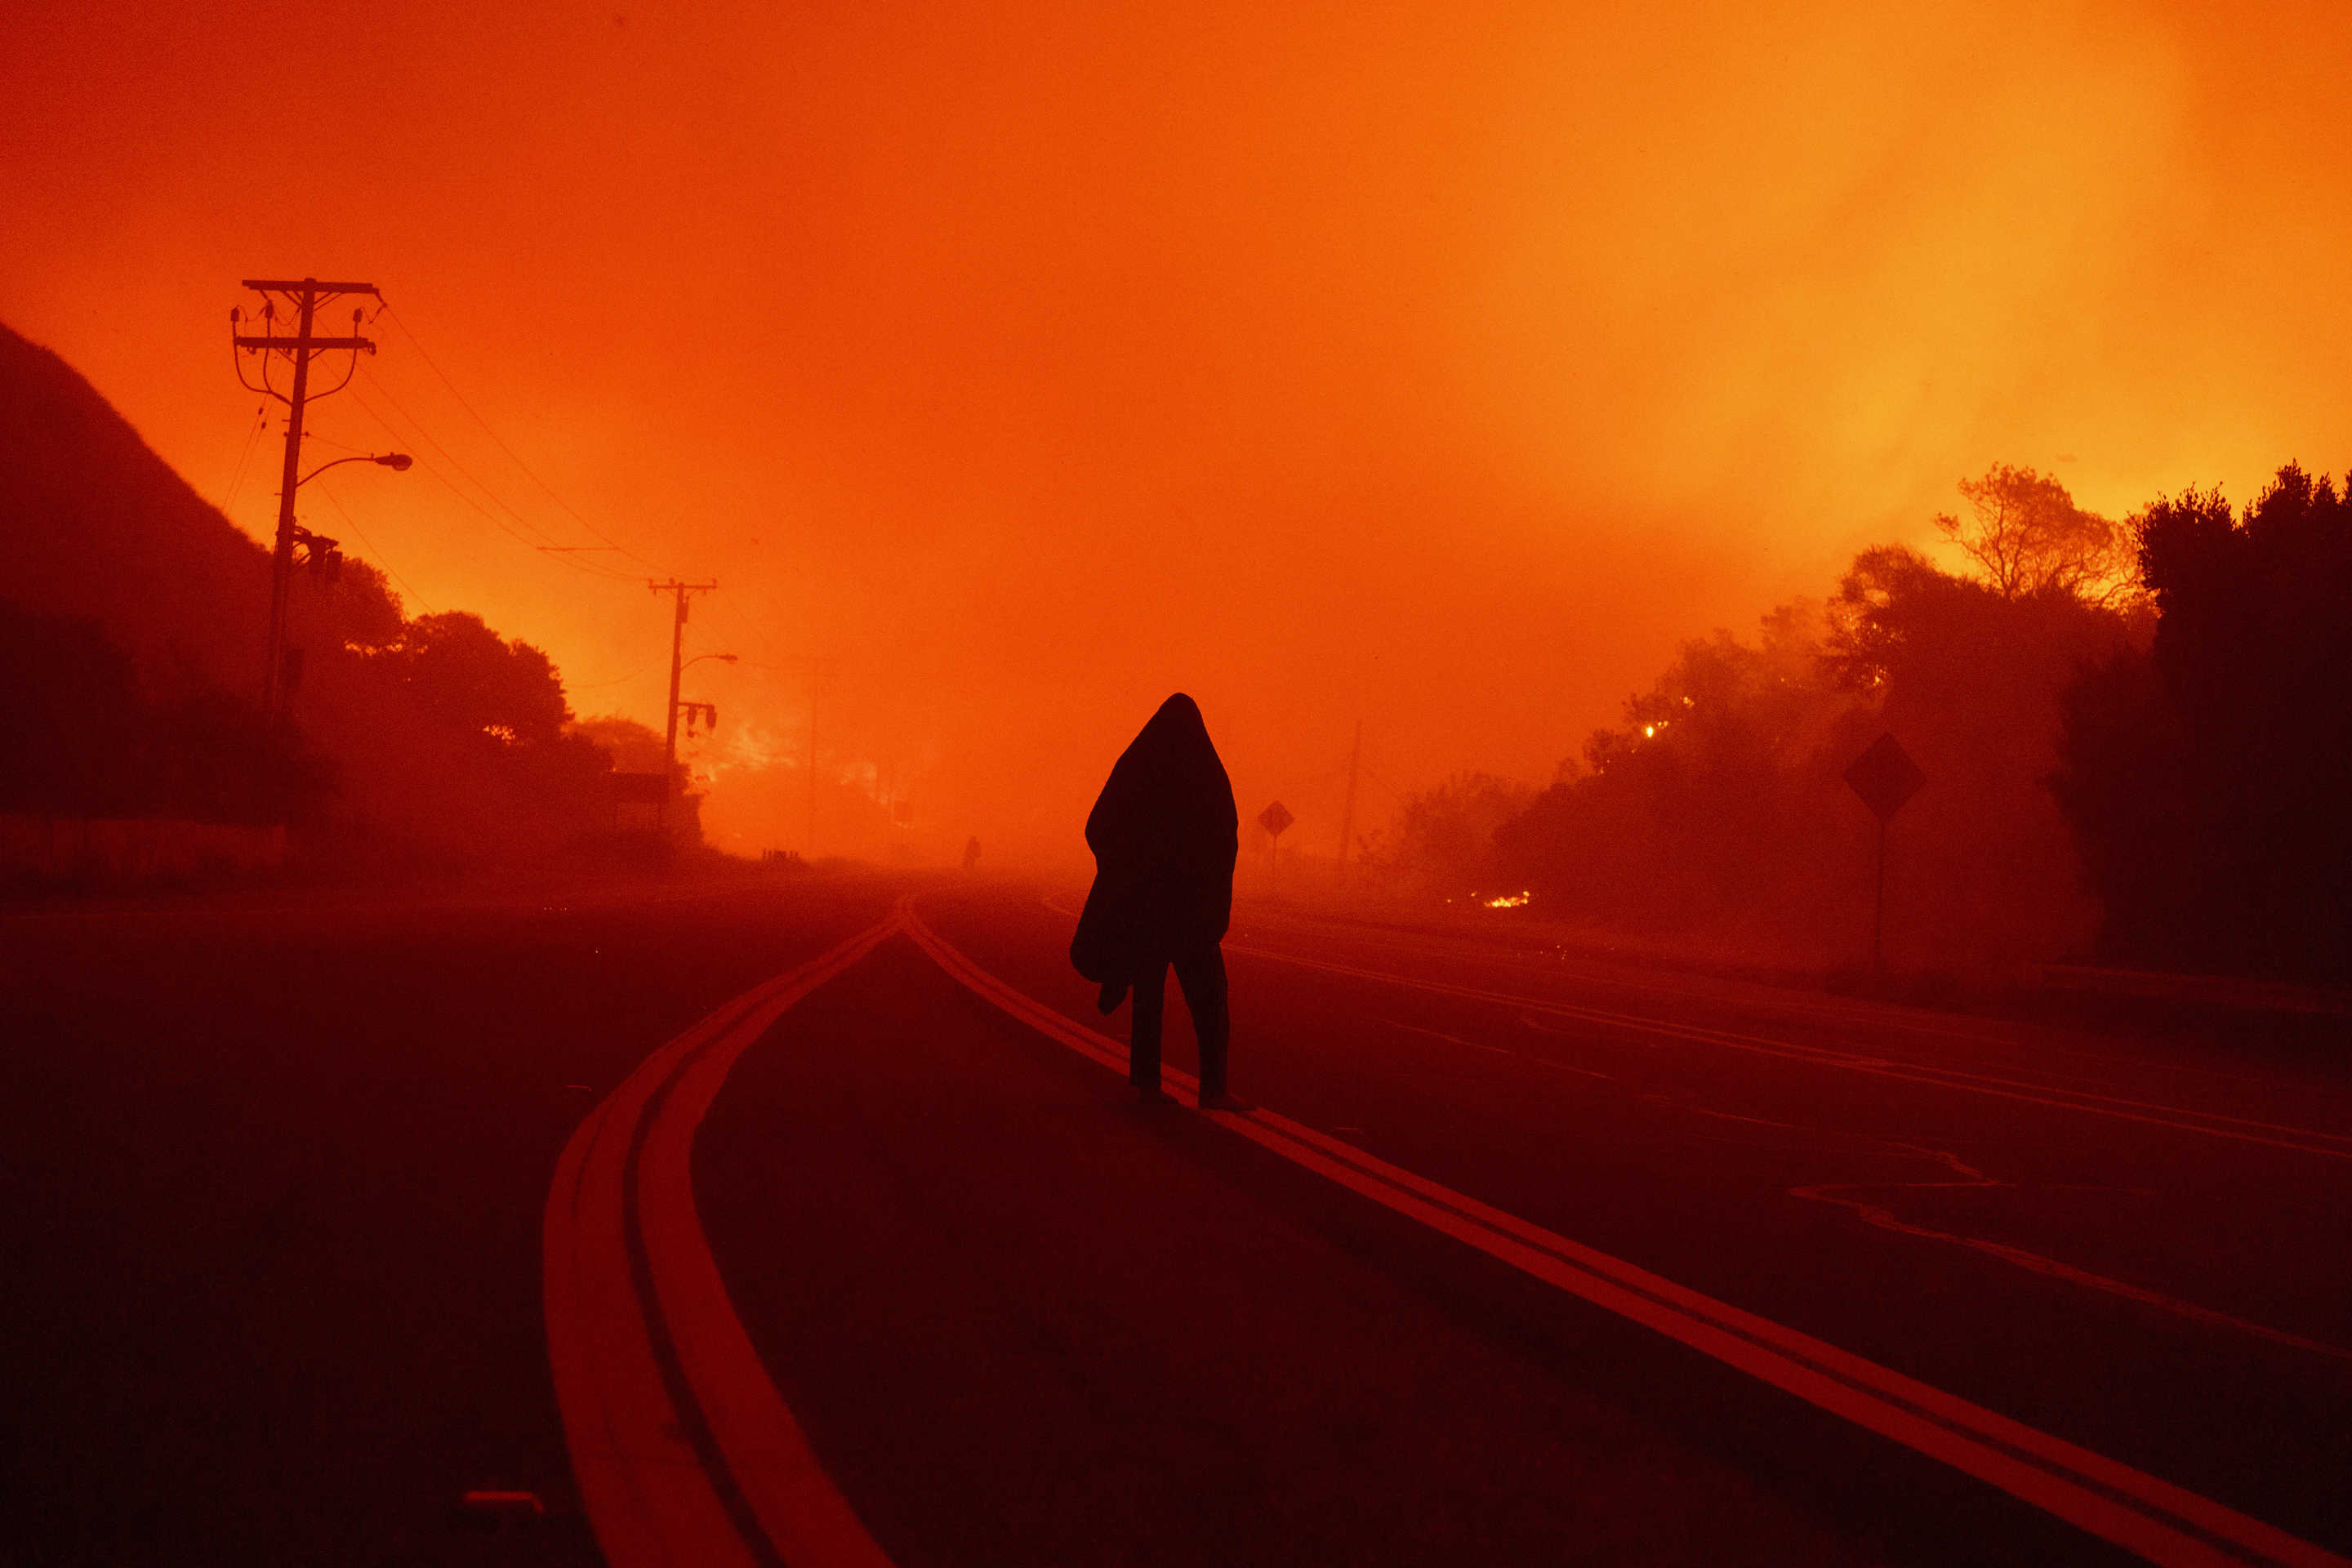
2302,1140
1445,948
803,1514
2161,1522
648,1494
645,1489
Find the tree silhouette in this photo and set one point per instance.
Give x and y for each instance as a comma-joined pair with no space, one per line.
635,748
464,675
1719,805
2209,787
1708,805
1889,601
2027,536
85,739
1444,838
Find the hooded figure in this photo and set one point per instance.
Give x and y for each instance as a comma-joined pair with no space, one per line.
1165,834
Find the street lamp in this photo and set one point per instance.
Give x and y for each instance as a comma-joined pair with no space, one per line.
324,560
397,462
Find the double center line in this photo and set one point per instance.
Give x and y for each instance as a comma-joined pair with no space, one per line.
686,1453
2244,1129
2162,1523
683,1449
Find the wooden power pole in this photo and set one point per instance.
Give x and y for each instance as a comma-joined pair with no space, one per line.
811,763
676,654
1347,812
305,295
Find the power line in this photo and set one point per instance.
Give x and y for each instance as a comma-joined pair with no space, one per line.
313,435
417,425
402,409
753,633
360,533
616,680
490,516
451,486
252,437
418,344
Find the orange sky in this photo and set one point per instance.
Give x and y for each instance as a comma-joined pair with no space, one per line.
1437,365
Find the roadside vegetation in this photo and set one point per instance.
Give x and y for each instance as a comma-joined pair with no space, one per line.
131,617
2137,737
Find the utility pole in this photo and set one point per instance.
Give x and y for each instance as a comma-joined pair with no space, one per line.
1878,910
1347,813
305,295
676,654
811,763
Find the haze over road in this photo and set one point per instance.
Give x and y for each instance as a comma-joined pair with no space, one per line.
291,1167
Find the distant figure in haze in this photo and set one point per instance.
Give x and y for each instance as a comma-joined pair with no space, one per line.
972,854
1164,833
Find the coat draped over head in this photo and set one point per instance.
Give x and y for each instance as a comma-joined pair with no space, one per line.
1165,836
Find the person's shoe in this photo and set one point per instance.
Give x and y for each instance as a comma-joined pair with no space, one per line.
1155,1096
1223,1100
1113,993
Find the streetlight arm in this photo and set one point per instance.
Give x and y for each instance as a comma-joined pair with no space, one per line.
395,461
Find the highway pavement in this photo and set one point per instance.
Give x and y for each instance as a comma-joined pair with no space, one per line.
811,1221
2137,1246
276,1169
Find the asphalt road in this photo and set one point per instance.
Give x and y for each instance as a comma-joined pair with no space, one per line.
274,1178
2142,1247
278,1173
1025,1321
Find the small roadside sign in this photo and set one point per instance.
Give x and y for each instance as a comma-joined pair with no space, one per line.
1884,776
1275,818
1887,778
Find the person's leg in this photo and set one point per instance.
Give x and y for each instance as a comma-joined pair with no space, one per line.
1203,975
1143,1026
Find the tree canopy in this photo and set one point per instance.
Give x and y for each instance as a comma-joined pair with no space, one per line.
2027,537
1718,805
469,676
2207,778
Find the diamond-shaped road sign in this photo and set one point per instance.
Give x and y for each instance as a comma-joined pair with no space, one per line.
1884,776
1276,818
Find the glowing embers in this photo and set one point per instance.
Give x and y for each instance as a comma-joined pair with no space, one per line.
1502,902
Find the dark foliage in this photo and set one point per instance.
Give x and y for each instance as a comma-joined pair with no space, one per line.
1712,808
1719,807
457,743
2026,537
72,730
1444,841
94,525
131,666
80,739
2208,781
477,682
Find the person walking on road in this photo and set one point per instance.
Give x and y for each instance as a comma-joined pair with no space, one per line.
1165,834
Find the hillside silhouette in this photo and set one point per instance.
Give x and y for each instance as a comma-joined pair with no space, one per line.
132,621
100,529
